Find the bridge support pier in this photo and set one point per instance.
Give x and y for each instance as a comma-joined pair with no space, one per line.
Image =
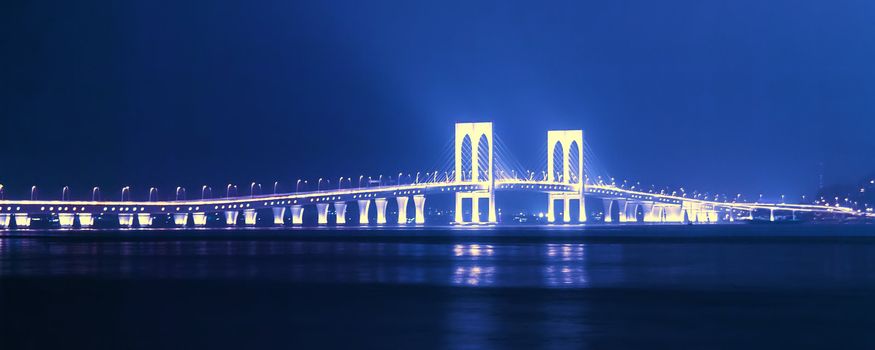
551,207
126,220
279,214
566,214
772,215
145,219
648,209
297,214
402,209
458,213
199,219
621,210
340,213
475,198
381,210
5,220
582,208
22,220
66,219
674,213
180,219
658,214
322,213
419,203
711,216
692,211
491,214
608,203
249,216
364,204
231,217
86,220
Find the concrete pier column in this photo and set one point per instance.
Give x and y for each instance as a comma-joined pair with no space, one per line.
658,213
5,220
419,203
364,204
650,212
771,214
607,204
86,220
582,209
231,217
793,213
475,210
22,220
199,219
631,212
712,216
297,214
340,213
66,219
125,219
249,216
279,214
491,214
551,208
402,209
458,214
622,208
322,213
674,213
145,219
381,210
566,211
180,219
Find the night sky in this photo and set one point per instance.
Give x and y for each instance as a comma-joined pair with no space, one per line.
722,96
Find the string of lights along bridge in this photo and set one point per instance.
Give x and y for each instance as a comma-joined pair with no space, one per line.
473,176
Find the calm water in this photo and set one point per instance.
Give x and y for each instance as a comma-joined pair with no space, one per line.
701,287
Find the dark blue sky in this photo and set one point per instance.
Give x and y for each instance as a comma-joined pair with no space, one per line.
728,96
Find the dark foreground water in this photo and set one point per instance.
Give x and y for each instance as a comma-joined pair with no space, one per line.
672,287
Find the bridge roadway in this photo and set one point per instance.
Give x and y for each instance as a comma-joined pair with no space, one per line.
655,207
667,208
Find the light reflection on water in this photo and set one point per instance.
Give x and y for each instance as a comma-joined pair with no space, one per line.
500,293
462,264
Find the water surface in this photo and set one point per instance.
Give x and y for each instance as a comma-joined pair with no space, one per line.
735,286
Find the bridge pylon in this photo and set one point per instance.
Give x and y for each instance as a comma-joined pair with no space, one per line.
474,166
565,165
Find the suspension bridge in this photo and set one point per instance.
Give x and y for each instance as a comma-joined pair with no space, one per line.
477,167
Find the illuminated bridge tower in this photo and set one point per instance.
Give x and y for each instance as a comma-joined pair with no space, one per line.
474,167
565,165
